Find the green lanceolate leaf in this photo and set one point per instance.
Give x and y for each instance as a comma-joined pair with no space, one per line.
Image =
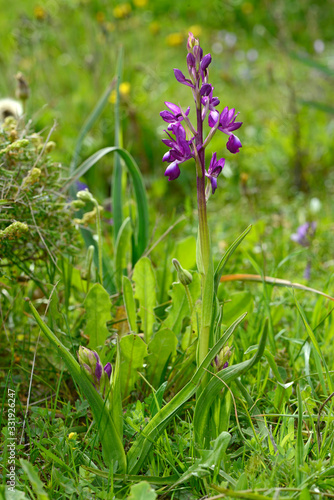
142,224
97,305
223,261
212,389
111,441
140,449
143,276
179,308
161,348
133,351
129,303
121,248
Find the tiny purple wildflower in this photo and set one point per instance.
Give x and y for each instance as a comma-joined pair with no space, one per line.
172,171
304,233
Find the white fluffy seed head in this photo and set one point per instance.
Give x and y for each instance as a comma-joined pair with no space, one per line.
10,107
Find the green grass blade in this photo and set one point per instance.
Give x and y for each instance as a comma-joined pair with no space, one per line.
223,261
93,117
122,245
35,481
317,349
212,389
117,173
299,444
139,451
142,226
111,440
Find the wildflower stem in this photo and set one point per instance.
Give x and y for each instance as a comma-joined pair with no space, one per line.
204,247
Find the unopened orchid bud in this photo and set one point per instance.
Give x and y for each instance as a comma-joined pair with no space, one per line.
184,276
221,360
85,195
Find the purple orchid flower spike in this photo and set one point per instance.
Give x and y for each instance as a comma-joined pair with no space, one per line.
174,115
215,169
182,148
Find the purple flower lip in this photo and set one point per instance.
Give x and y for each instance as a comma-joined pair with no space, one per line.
172,171
233,144
108,368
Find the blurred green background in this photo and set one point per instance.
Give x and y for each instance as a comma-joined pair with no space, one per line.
272,60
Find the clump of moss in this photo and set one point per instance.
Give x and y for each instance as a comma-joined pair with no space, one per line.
36,219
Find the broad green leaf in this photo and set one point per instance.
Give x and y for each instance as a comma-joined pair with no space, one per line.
129,303
161,348
142,491
185,252
122,251
145,292
133,351
223,261
140,449
142,224
35,481
216,384
97,305
179,308
112,446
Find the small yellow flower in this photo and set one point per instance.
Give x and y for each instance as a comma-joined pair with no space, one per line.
39,13
140,3
124,90
72,435
195,29
175,39
100,17
20,337
122,10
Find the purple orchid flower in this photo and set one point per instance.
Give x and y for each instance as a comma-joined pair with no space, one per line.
174,115
179,150
182,79
215,169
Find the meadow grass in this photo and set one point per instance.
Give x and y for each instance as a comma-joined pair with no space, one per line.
271,427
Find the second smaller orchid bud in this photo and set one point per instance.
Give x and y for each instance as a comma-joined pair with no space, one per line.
184,276
221,360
